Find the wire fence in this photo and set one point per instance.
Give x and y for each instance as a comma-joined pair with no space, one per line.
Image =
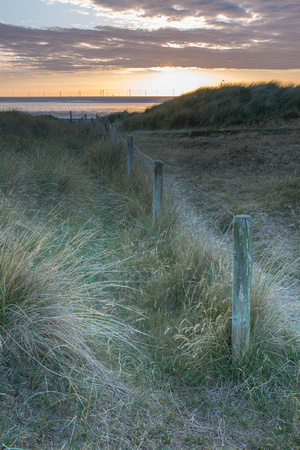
202,215
198,211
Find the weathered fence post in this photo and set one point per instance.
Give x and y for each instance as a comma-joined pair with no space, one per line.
157,189
71,116
92,123
85,121
241,289
129,141
107,129
81,122
98,122
116,139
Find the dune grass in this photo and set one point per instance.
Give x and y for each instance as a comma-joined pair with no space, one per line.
228,105
115,334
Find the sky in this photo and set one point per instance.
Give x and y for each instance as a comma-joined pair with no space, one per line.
145,47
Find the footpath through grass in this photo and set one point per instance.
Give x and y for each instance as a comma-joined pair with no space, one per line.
115,334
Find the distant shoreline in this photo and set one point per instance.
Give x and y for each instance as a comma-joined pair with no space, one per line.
114,99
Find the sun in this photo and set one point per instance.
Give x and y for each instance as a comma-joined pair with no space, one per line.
173,81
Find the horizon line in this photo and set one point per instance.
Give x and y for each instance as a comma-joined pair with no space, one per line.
82,97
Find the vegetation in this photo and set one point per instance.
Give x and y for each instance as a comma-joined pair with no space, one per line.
251,166
115,333
225,106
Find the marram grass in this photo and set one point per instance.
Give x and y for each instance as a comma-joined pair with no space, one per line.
75,235
227,105
50,312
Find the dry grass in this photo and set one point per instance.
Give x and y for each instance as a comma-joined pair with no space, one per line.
90,282
252,172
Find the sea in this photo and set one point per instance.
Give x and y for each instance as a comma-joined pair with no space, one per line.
61,107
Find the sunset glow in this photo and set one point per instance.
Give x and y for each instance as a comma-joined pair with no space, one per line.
123,47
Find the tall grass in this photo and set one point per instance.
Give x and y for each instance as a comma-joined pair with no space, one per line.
221,106
93,294
50,313
54,290
188,295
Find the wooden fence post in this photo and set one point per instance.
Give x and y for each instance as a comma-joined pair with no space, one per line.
116,139
241,289
98,122
85,121
157,189
81,122
107,129
92,123
71,116
129,141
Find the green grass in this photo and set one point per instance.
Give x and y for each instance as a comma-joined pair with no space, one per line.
220,107
115,333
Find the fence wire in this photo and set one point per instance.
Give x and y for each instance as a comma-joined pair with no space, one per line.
199,213
204,217
144,160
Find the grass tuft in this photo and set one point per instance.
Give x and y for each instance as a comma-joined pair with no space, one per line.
116,333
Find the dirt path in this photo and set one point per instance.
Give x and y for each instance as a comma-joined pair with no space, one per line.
279,244
252,172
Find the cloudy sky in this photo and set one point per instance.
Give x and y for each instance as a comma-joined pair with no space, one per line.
145,46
